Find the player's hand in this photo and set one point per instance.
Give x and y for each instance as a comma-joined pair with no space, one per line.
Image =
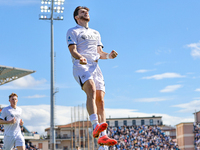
83,61
113,54
21,122
13,121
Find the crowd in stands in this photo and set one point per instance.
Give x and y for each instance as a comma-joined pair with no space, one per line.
1,128
141,138
197,136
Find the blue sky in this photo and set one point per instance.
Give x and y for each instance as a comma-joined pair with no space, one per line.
155,73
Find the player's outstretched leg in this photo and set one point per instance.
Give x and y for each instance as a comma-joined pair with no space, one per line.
105,140
99,128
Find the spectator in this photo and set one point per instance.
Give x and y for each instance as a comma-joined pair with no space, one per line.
141,138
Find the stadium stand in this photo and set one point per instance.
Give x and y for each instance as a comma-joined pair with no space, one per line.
141,138
197,136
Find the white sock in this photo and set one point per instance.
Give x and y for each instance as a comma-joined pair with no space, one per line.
103,132
94,120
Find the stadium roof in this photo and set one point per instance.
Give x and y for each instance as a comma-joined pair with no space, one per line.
73,125
8,74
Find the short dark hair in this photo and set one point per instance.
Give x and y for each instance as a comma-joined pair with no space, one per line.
77,9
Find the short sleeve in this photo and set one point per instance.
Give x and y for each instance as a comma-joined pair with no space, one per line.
99,43
71,37
3,114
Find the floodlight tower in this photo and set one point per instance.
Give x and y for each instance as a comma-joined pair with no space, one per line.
51,6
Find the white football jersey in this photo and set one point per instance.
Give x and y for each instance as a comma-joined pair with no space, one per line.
8,113
86,41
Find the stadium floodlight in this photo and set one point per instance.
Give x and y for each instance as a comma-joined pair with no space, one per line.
51,6
48,8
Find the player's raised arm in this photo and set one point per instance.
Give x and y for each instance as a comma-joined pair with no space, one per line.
76,55
104,55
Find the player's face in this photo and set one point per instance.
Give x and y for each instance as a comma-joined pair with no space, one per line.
13,101
83,14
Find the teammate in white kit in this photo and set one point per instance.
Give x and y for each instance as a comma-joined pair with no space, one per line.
85,47
11,119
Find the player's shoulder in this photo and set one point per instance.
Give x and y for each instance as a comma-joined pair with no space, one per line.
73,28
94,31
6,108
76,28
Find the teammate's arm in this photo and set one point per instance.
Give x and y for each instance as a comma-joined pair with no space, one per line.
104,55
13,121
76,55
21,122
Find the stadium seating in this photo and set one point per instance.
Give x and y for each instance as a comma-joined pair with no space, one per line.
141,138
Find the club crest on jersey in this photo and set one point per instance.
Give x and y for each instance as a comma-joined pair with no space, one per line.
69,39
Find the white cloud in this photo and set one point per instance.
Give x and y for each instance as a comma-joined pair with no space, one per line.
197,90
37,117
154,99
170,88
115,67
160,63
189,107
195,52
167,119
35,96
164,75
143,71
162,51
27,82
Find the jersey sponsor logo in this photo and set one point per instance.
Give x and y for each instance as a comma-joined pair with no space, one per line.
84,37
89,37
69,39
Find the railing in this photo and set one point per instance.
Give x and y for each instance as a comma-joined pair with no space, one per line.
27,134
24,134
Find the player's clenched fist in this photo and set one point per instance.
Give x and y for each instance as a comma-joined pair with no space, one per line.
21,122
13,121
83,61
113,54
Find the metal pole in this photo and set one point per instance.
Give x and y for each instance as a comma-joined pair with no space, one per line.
83,127
52,83
75,140
79,137
88,137
72,129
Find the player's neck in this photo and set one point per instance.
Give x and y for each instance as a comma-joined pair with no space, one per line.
14,106
83,24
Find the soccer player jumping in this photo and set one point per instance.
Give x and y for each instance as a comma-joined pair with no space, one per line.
85,47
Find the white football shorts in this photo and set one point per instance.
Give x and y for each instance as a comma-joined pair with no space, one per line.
89,71
10,141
